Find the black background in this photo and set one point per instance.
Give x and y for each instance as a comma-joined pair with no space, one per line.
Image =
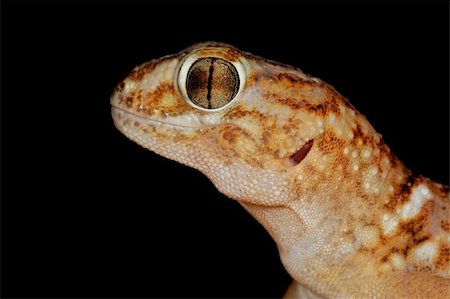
87,213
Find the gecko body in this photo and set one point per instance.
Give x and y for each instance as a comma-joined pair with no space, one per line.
348,218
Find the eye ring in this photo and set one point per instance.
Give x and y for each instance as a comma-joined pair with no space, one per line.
210,82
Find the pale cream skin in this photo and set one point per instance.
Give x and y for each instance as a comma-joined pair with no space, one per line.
349,220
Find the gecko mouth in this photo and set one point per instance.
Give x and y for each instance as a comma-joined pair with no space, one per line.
298,156
120,114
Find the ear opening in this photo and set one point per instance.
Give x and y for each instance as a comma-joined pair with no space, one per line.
298,156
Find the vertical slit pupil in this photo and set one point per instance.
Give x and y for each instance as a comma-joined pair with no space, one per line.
211,70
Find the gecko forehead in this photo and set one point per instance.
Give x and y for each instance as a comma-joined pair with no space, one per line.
212,77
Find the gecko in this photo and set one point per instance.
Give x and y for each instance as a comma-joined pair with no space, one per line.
348,218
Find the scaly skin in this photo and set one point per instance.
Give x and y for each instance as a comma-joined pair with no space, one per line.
349,220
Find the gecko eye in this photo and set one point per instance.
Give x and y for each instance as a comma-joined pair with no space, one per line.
211,82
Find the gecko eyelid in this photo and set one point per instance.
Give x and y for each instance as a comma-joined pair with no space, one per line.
298,156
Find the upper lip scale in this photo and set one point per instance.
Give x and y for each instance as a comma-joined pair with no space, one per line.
150,119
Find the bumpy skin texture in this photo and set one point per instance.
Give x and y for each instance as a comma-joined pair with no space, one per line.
349,220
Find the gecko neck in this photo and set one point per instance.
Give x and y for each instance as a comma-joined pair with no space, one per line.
351,193
318,241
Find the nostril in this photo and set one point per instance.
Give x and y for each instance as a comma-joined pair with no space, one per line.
298,156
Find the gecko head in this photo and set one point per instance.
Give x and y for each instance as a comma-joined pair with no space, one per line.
246,122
